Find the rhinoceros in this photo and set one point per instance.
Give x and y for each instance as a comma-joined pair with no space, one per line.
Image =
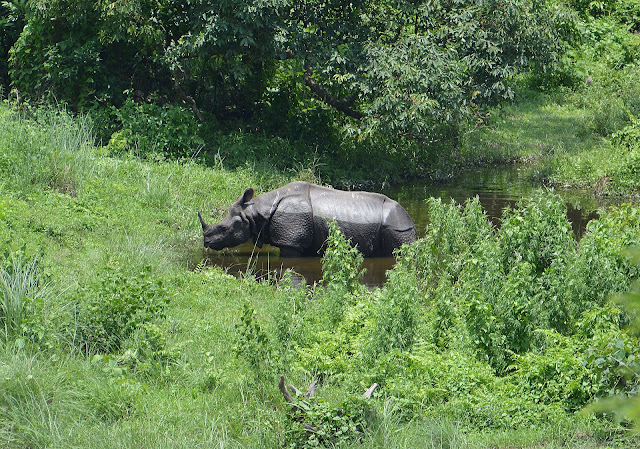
294,219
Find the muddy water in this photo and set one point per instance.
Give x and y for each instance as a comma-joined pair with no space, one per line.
496,189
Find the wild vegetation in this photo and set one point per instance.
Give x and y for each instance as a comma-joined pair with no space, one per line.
112,334
354,92
481,336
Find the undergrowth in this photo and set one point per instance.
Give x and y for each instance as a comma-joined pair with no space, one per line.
110,341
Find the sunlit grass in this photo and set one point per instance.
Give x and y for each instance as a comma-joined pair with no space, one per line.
135,214
541,126
563,137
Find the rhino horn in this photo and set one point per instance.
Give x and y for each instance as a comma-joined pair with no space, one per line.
204,225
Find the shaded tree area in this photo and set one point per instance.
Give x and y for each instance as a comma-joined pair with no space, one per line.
391,73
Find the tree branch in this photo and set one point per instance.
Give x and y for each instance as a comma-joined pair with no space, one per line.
367,394
284,390
187,99
312,389
343,106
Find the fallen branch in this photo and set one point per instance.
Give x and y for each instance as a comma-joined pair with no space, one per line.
311,391
284,390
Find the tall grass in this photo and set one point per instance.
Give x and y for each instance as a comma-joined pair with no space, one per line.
20,289
45,148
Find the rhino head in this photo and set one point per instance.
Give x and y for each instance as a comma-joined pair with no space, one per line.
234,229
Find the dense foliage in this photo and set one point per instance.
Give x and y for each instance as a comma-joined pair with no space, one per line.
389,73
107,336
348,91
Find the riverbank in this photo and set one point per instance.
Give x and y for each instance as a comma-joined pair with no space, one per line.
554,134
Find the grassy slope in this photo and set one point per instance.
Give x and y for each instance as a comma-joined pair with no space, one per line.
555,136
583,136
123,213
128,213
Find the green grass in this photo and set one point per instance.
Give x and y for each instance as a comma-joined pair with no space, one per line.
569,136
556,138
532,129
179,381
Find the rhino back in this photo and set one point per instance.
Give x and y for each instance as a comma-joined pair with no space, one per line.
358,214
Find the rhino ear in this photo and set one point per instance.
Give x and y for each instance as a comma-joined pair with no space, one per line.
246,196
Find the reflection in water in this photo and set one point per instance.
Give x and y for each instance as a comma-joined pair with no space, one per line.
495,187
265,263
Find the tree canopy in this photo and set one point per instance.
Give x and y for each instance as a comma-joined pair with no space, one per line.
393,69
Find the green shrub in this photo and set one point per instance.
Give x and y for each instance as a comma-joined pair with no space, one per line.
617,364
629,136
628,13
556,373
253,343
427,377
149,129
617,360
341,274
147,349
610,43
312,422
601,267
452,236
341,263
491,291
114,308
395,315
536,232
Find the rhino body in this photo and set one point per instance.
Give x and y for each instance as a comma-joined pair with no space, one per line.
294,219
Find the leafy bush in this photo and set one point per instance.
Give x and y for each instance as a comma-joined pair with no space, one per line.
625,11
312,422
427,377
494,289
556,373
453,234
536,232
148,129
617,360
628,13
617,364
395,315
629,136
252,342
117,306
341,263
602,267
146,349
341,273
